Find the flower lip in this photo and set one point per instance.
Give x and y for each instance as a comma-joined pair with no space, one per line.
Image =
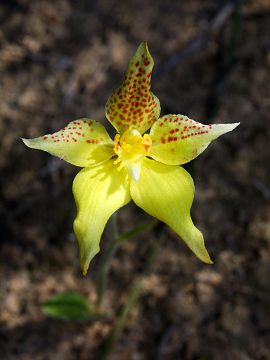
131,148
132,145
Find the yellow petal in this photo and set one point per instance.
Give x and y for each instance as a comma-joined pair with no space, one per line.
99,191
178,139
82,142
166,192
133,105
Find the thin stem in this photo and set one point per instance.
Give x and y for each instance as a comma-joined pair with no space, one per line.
107,259
120,321
137,230
109,253
134,295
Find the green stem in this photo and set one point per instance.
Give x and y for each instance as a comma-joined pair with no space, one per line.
137,230
109,253
104,270
107,259
120,321
134,295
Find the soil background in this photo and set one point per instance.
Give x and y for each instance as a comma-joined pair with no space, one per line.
59,61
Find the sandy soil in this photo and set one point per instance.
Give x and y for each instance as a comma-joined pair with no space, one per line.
59,61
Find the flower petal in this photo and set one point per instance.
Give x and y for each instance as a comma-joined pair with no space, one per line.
166,192
133,105
99,191
82,142
178,139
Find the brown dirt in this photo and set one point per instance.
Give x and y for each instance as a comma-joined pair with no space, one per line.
59,61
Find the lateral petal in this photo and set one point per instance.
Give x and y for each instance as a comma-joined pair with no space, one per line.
166,192
82,142
99,191
133,105
178,139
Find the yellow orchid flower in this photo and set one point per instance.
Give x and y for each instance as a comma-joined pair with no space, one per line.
137,166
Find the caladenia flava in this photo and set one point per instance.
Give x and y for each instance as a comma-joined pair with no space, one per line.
138,166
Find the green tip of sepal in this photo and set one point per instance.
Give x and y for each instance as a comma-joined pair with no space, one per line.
33,143
203,255
146,51
144,45
196,243
26,142
142,50
209,261
85,260
84,268
220,129
232,126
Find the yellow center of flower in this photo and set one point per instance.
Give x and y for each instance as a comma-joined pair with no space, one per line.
131,148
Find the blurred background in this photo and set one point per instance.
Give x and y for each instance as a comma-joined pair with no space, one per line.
59,61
